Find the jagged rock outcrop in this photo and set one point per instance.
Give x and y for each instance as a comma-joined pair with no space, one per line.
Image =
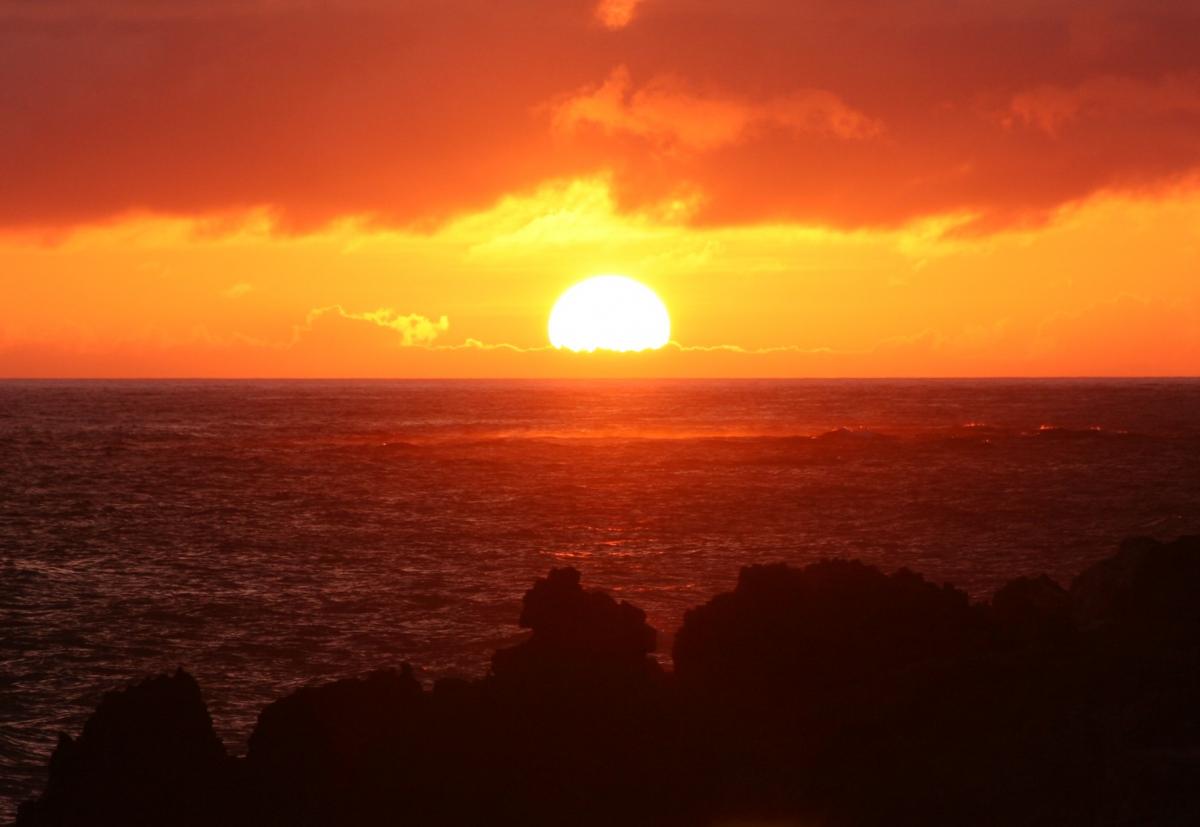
833,694
801,674
318,753
1146,586
582,708
1032,609
821,629
577,635
147,756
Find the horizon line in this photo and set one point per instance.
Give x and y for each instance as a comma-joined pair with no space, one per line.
889,378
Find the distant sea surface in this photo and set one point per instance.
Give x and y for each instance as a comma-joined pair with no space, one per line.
265,535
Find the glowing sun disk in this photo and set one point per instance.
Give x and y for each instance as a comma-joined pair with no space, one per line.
609,313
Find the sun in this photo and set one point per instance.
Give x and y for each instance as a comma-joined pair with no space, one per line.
609,313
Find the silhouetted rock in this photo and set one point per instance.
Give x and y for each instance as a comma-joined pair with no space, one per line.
821,628
316,753
333,723
569,726
1031,609
576,633
833,694
799,670
1141,612
1146,585
147,756
581,707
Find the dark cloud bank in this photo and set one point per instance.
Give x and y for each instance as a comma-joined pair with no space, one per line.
833,694
863,113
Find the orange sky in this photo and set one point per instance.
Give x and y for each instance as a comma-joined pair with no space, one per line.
371,188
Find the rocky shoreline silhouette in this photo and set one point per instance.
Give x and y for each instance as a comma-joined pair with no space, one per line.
832,694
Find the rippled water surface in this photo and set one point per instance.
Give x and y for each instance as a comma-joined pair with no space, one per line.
269,534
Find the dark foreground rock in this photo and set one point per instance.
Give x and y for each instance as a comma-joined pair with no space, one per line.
833,694
148,755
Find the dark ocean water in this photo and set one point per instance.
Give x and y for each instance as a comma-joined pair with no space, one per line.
269,534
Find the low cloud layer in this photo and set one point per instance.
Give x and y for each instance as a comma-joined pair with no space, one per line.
334,342
872,113
410,330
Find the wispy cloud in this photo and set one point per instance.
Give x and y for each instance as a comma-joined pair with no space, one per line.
616,14
476,344
1052,108
236,291
682,348
667,112
413,329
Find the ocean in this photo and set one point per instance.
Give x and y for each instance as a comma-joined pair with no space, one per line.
269,534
